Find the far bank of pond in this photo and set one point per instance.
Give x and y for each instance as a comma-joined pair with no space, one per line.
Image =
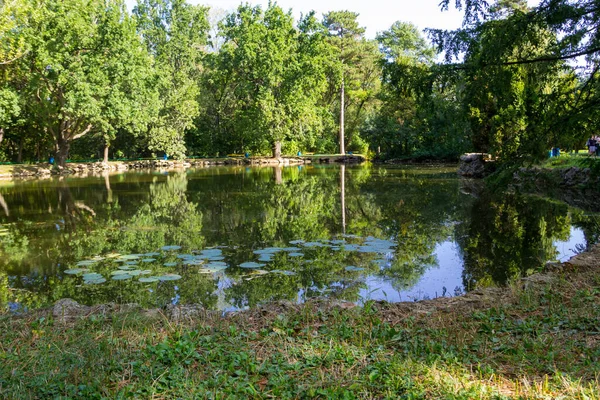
46,170
231,238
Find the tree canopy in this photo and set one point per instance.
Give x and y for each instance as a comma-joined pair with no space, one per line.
89,80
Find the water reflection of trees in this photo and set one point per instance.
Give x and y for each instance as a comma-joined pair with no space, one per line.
65,224
508,236
54,224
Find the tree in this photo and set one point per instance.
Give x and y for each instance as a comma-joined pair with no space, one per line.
523,93
13,15
419,115
82,71
276,74
131,102
345,35
175,34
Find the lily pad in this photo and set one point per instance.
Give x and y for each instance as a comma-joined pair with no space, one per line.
251,265
265,257
296,254
217,264
352,268
149,279
86,263
94,281
315,244
216,258
119,272
292,249
125,267
299,241
212,252
91,276
278,271
121,277
130,257
169,277
268,250
135,272
148,260
151,254
131,263
75,271
170,248
170,264
212,267
193,262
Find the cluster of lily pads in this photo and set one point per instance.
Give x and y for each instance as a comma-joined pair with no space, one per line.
211,260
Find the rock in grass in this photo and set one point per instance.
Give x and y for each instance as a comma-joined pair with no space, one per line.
68,309
184,312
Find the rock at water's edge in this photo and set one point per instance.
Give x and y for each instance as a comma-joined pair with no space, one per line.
474,165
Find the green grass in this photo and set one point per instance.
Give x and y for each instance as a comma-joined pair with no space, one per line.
567,160
538,341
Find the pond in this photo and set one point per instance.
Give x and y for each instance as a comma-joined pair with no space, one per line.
235,237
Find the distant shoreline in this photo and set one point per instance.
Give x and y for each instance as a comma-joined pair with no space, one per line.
46,170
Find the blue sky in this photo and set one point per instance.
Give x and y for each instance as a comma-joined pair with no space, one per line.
375,15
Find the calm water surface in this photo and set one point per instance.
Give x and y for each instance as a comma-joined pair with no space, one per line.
231,238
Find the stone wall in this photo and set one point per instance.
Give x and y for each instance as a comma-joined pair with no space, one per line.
46,170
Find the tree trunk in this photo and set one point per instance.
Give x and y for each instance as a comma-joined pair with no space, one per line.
1,134
277,149
342,100
62,152
106,146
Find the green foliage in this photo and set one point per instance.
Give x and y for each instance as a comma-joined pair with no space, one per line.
175,34
521,97
77,76
264,85
419,116
91,80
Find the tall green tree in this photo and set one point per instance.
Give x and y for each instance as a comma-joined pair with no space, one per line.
175,34
524,97
78,71
13,16
347,36
419,115
277,75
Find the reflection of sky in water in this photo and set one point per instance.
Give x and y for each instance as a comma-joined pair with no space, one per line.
566,250
448,273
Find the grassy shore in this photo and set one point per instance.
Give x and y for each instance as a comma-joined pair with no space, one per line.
538,338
